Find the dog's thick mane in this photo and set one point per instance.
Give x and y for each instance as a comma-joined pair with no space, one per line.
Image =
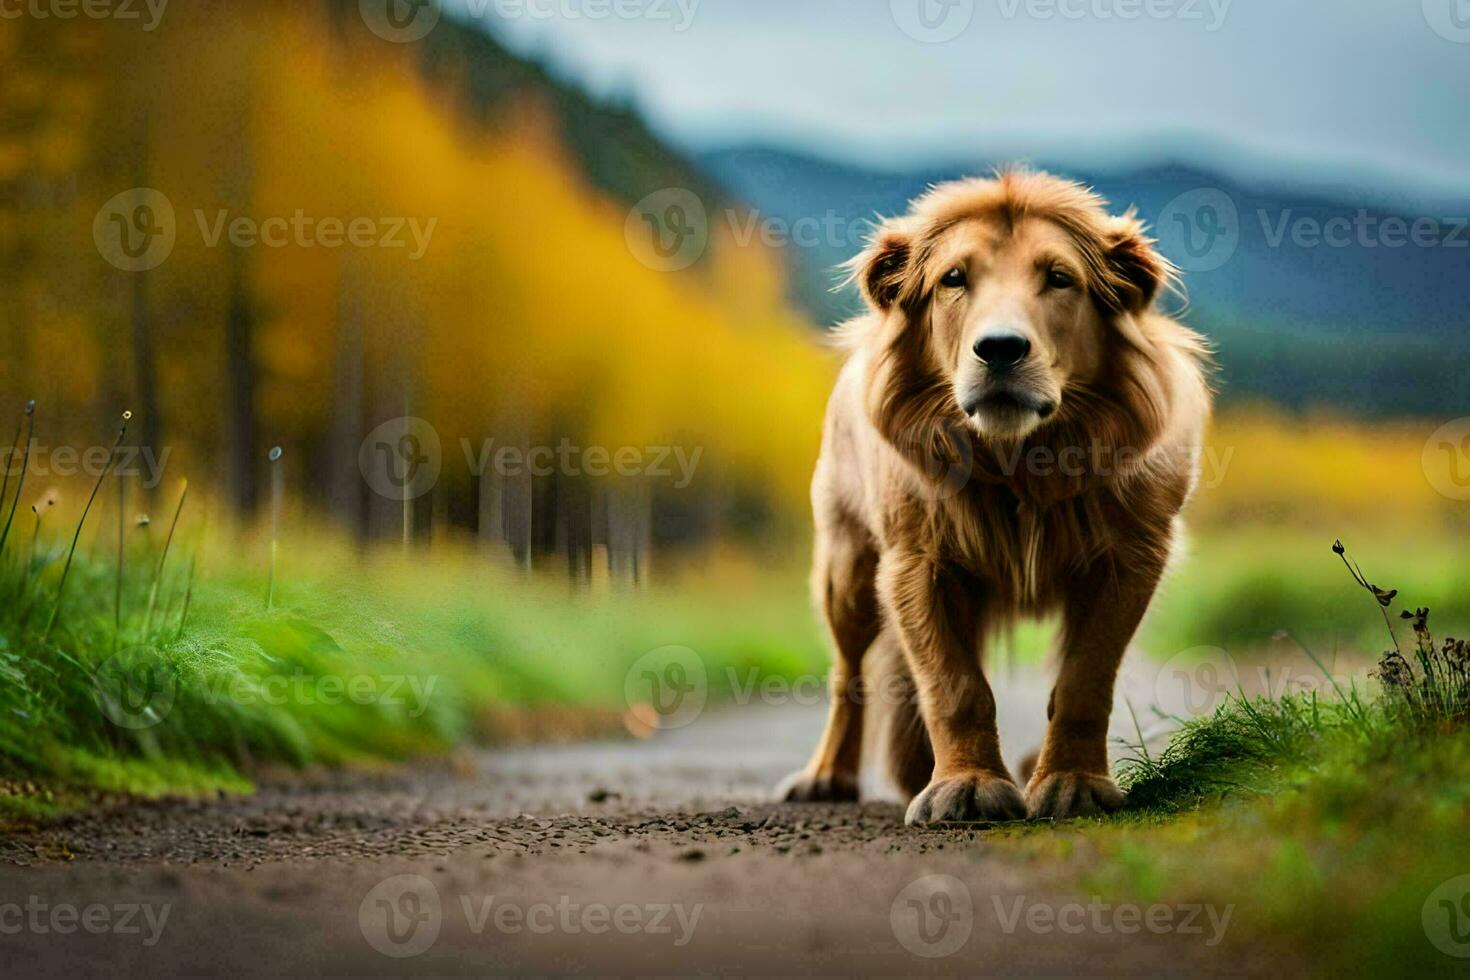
1029,525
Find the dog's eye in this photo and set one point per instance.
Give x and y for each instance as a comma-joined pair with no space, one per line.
1057,278
954,278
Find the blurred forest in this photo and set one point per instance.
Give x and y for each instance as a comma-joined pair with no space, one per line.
527,320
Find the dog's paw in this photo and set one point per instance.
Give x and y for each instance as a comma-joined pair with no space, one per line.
1059,795
970,798
804,787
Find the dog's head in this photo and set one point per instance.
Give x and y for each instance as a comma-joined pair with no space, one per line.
1010,294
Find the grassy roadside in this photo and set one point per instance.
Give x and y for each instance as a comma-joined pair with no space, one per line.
1333,825
1328,822
1340,855
368,658
361,659
180,661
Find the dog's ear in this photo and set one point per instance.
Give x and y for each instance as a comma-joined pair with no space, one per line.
1135,267
881,269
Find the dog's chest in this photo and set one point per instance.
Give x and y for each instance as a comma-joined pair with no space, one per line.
1028,552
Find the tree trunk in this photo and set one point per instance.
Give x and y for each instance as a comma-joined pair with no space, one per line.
346,486
145,382
243,462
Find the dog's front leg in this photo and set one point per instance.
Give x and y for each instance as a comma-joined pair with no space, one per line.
938,613
1100,615
844,579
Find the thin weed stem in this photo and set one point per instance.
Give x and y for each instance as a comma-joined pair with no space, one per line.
162,558
30,420
1381,597
71,552
277,490
1142,743
122,551
20,427
188,594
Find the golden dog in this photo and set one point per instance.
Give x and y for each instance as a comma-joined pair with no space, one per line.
1014,434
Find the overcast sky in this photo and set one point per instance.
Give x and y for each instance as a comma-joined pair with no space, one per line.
1362,86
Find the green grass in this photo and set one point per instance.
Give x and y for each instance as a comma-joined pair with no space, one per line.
1241,588
1329,850
1329,823
494,644
1327,832
363,659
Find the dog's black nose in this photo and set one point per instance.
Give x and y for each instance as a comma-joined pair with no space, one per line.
1002,349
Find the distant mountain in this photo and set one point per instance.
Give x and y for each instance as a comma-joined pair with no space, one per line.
1312,298
612,145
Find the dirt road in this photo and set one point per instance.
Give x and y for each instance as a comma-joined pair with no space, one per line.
661,856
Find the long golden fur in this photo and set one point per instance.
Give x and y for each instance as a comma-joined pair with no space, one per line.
1014,433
